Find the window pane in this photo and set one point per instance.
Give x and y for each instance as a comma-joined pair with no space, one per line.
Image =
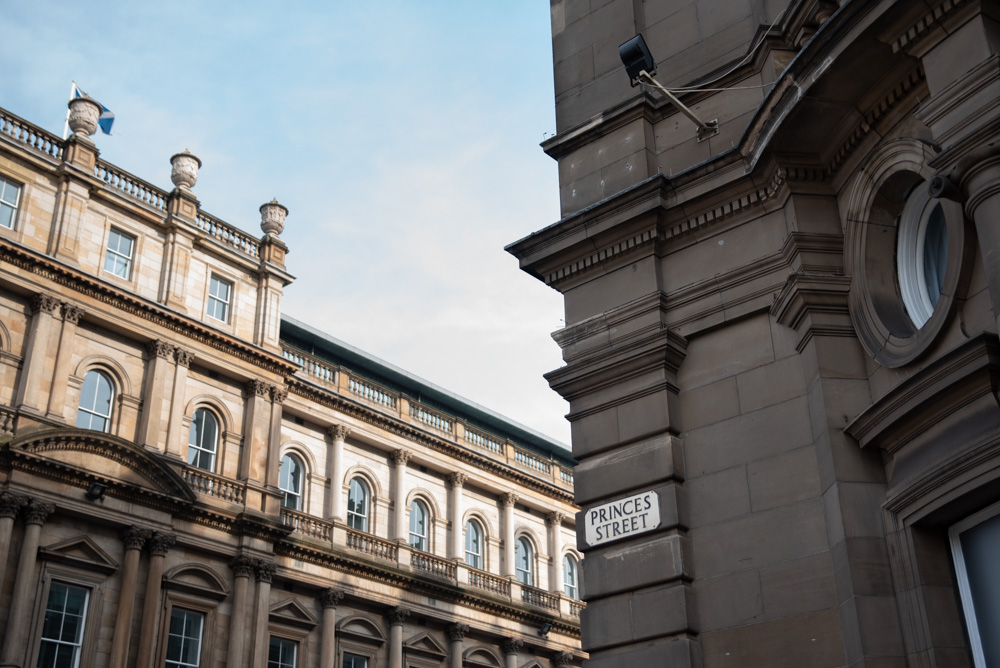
980,547
96,396
6,216
357,506
281,653
203,440
184,638
62,630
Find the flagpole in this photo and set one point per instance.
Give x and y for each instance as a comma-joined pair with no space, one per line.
72,94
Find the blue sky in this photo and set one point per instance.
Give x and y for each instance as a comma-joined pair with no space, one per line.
404,142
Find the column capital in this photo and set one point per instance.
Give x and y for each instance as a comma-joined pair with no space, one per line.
457,479
37,512
511,645
554,519
265,570
278,394
338,432
255,387
457,631
135,537
242,565
508,499
330,598
562,659
401,456
397,615
160,543
42,302
72,313
183,357
11,504
160,348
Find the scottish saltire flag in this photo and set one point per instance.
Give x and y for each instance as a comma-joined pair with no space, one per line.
107,116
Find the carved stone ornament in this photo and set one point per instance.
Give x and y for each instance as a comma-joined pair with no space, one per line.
265,570
135,537
160,543
10,504
243,566
272,217
339,432
511,645
160,348
84,113
44,303
330,598
256,387
400,457
562,659
508,499
72,313
554,519
278,394
183,357
456,631
397,615
37,512
184,169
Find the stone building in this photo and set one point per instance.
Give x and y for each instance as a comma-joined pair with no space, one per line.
781,349
188,478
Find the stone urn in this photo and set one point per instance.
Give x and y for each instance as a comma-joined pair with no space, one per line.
184,172
83,115
272,217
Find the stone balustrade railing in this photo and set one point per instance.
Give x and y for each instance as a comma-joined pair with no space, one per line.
30,135
566,475
373,392
307,525
6,420
313,367
484,440
489,582
539,598
428,563
532,461
371,545
130,185
575,607
431,418
227,234
213,485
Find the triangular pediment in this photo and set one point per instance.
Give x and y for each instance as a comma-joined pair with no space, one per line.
534,663
292,613
128,469
427,645
81,552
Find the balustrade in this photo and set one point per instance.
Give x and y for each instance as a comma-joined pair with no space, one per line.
311,366
539,598
431,418
6,420
227,234
489,582
575,607
30,135
372,392
566,475
428,563
307,525
371,545
532,461
130,185
484,441
208,483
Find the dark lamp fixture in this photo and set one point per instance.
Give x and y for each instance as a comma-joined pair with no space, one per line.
96,491
640,66
544,629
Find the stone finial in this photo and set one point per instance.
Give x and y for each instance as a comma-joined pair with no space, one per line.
184,169
272,217
84,112
330,598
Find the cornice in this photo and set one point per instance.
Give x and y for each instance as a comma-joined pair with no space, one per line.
910,36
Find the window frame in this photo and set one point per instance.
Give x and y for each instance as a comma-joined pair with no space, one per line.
480,556
227,304
366,516
207,609
354,651
85,579
962,578
530,550
298,494
101,373
216,454
167,661
16,207
423,541
570,559
129,259
296,646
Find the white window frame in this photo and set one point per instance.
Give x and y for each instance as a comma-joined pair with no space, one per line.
364,517
199,447
363,657
5,184
962,576
528,577
288,642
77,645
92,411
478,560
214,301
571,586
172,663
911,240
417,540
117,255
285,483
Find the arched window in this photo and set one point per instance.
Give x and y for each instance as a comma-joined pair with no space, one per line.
523,562
357,505
418,525
569,576
290,482
203,440
473,544
95,402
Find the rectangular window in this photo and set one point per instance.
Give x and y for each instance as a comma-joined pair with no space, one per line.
184,638
975,542
219,294
62,632
118,258
355,661
10,196
281,653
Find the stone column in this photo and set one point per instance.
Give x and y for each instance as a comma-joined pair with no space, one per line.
553,522
510,648
329,599
265,573
243,568
24,584
272,477
176,439
507,501
455,483
334,507
159,544
399,458
154,392
10,504
29,390
256,435
134,539
456,634
396,617
562,660
57,396
982,183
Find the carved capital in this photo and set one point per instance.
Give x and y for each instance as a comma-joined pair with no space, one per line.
242,565
71,313
457,479
278,394
160,348
400,457
562,659
257,388
183,357
44,303
160,543
508,499
511,645
265,570
330,598
338,432
397,615
456,631
554,519
10,504
135,537
37,512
